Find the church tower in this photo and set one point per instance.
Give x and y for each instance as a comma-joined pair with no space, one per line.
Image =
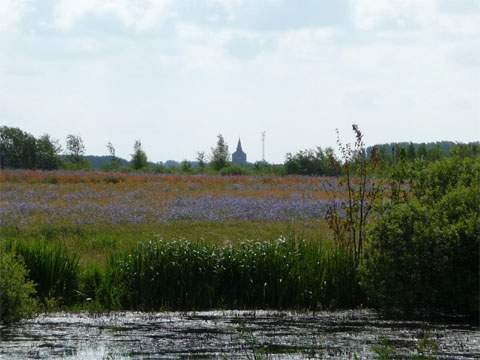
239,157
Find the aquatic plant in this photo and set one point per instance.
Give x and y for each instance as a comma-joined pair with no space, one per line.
54,272
179,274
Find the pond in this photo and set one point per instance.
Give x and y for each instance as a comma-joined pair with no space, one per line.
229,334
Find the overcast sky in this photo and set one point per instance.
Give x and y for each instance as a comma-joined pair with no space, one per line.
175,73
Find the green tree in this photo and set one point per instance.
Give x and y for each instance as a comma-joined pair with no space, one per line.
48,153
114,160
186,166
422,151
411,152
220,155
139,157
201,158
75,149
17,148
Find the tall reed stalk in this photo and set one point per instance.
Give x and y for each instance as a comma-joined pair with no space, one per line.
286,273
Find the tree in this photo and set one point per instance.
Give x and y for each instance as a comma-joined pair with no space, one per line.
48,153
17,148
75,149
201,158
348,220
185,166
220,154
114,160
139,158
411,153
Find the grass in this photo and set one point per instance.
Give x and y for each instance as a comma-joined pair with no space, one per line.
132,267
53,270
95,243
286,273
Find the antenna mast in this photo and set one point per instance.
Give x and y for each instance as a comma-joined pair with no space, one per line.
263,146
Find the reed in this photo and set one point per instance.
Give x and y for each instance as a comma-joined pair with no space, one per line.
54,272
286,273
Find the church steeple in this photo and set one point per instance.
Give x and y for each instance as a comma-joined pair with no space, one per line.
239,146
239,157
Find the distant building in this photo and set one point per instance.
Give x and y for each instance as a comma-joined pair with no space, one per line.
239,157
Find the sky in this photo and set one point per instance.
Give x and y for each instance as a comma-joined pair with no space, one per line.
175,73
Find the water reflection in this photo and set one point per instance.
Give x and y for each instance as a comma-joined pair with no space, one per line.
226,334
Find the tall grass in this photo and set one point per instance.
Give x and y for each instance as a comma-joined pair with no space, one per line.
286,273
54,272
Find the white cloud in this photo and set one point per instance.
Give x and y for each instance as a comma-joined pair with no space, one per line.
11,13
140,14
370,14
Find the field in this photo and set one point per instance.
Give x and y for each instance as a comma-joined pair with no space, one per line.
142,241
96,213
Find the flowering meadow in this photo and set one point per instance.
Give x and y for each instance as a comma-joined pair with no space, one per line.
87,198
83,232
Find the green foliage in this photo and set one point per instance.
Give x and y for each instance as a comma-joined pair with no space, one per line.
424,248
20,150
115,162
186,275
186,166
75,149
54,271
91,282
201,159
16,292
426,348
384,350
139,158
234,170
47,153
312,162
220,155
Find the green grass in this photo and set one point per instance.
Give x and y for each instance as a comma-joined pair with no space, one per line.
285,273
187,265
95,243
53,270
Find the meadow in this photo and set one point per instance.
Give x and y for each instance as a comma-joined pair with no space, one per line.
140,241
97,221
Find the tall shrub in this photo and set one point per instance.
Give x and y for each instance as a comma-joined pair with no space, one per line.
424,249
16,291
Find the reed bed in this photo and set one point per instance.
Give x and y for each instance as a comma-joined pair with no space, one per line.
286,273
54,271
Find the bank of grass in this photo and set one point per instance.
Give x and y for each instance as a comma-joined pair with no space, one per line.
286,272
279,274
95,243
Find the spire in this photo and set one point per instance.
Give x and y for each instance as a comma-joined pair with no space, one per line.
239,146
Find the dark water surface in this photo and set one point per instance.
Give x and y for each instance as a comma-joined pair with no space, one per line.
227,335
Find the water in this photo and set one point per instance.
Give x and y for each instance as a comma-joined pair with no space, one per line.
227,335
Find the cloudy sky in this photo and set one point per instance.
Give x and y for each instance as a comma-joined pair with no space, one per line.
175,73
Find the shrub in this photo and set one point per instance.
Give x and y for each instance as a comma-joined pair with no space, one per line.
424,251
234,170
16,292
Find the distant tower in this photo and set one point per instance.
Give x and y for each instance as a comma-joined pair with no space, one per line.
263,146
239,157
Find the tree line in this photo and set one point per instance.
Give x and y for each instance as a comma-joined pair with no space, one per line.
21,150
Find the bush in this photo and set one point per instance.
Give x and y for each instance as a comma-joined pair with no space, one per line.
424,251
234,170
16,292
